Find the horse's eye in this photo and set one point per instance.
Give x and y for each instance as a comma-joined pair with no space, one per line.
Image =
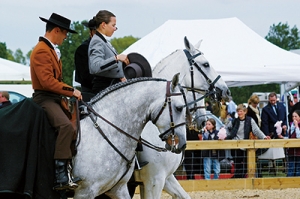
206,65
179,108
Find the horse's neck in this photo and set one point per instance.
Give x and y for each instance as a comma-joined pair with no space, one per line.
127,106
171,65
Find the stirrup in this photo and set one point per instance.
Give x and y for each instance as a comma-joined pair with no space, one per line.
139,166
72,183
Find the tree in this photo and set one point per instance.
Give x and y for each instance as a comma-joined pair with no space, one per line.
120,44
19,57
68,49
10,55
3,50
282,36
242,94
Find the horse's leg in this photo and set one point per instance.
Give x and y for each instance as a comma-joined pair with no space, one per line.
119,192
84,193
153,188
173,188
87,190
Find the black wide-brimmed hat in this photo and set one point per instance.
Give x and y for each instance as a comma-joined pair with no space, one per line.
138,67
60,21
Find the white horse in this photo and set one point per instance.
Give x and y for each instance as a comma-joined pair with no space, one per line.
196,75
105,158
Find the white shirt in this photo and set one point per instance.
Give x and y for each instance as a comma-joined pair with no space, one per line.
55,48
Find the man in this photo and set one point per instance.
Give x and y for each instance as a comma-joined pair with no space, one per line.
274,111
231,108
82,73
46,76
4,99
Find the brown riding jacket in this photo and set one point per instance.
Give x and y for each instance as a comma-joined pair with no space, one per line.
46,70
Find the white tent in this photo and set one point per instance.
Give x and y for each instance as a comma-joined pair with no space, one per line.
12,71
238,54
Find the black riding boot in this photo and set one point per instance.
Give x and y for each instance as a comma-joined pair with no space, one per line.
63,178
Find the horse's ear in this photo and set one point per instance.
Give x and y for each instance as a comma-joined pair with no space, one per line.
175,81
188,45
197,46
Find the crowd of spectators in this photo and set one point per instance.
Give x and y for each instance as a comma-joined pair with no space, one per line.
250,122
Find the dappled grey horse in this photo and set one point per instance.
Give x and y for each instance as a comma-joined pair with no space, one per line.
200,79
117,115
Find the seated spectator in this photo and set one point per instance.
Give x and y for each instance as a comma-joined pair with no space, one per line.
293,166
240,129
4,99
211,157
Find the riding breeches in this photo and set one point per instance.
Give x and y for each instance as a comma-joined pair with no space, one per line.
58,120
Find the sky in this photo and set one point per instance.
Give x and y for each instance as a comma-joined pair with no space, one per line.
20,25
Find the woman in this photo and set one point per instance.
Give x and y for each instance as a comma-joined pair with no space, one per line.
294,153
104,62
239,129
252,109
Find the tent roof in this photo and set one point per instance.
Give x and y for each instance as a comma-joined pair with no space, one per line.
238,54
12,71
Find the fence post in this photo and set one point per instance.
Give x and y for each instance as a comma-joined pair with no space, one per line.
251,162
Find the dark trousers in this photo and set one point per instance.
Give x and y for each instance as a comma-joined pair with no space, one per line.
59,121
240,163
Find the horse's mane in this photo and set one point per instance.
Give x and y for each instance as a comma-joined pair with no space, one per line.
119,85
167,57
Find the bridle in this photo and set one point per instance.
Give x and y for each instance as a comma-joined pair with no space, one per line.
212,90
172,125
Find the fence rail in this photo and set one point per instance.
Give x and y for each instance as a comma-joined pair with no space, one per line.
244,183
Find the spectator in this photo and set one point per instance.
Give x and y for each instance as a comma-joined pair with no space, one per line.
231,108
296,106
223,112
253,110
295,98
208,106
239,129
4,99
274,111
211,157
293,166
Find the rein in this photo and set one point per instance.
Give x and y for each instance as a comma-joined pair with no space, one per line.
168,101
91,110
